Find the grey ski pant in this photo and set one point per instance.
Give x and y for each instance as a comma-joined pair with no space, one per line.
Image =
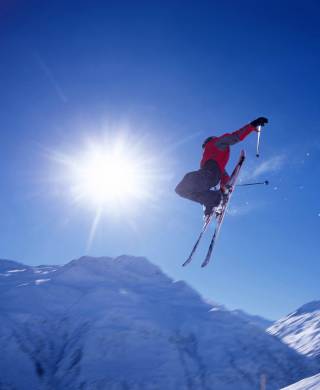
197,186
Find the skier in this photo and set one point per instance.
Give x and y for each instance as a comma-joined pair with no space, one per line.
197,185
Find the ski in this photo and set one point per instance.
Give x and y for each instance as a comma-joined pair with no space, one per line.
204,228
223,208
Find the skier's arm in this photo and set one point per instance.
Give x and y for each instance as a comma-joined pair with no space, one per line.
235,137
239,135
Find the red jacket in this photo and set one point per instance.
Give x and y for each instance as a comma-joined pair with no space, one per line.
218,149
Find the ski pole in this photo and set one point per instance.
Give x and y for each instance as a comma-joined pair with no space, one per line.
258,140
266,182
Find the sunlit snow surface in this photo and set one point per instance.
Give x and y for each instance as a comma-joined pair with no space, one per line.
301,329
104,323
312,383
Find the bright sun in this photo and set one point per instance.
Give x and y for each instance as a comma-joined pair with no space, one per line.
107,177
112,176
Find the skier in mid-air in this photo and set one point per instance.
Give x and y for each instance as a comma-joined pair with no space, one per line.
197,185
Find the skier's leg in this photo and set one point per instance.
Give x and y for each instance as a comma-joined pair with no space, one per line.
196,186
209,199
191,183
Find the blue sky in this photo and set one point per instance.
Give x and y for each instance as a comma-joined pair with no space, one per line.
166,75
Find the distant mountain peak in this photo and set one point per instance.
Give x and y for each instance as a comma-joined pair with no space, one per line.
308,308
6,265
137,264
301,329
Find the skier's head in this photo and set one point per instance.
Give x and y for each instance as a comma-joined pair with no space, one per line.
207,140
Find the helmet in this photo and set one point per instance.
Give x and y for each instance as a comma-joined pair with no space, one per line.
207,140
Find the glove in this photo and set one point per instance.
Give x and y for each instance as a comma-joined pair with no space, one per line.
261,121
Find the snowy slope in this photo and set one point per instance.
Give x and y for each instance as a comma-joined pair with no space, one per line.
312,383
261,322
301,329
255,320
102,323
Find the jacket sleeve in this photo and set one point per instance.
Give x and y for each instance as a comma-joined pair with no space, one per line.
232,138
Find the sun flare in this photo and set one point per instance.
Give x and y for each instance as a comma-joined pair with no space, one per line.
113,176
102,178
106,177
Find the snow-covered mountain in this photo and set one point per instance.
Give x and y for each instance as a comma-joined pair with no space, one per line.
312,383
261,322
301,329
116,324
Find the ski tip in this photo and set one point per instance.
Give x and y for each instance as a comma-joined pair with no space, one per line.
205,262
186,262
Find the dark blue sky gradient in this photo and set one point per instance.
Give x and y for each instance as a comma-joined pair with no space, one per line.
175,72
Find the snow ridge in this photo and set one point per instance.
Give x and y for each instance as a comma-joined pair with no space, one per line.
311,383
120,323
301,329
